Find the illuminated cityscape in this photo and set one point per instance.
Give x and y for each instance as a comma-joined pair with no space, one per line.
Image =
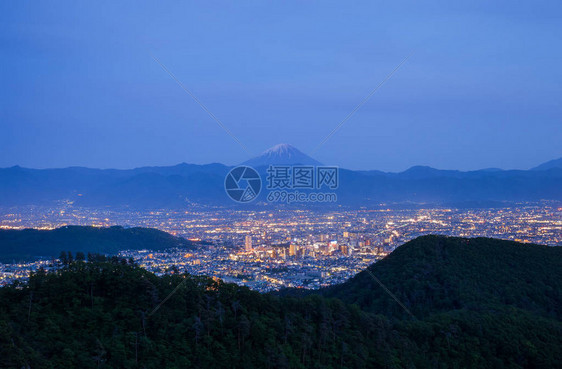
274,248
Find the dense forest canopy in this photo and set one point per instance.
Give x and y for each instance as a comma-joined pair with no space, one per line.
437,274
477,303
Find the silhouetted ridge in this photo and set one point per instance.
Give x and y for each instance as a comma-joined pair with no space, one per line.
28,244
552,164
436,273
182,185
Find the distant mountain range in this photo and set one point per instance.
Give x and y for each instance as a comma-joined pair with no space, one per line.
188,184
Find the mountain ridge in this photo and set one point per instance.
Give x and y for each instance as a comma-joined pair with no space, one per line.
443,270
185,185
551,164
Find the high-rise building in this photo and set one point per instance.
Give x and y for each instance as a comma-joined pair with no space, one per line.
292,250
248,243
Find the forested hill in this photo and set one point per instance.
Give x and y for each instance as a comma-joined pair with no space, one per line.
117,315
28,244
435,274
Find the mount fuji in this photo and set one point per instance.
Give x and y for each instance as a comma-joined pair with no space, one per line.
282,154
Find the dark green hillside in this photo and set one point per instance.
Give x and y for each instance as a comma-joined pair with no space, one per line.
436,274
97,315
28,244
472,311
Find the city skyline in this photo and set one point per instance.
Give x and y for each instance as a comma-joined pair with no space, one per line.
274,248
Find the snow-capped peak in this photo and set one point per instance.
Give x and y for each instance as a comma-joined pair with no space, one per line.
282,154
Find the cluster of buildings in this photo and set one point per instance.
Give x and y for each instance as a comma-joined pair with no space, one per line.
20,271
274,248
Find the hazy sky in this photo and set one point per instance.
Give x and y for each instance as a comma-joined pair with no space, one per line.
78,85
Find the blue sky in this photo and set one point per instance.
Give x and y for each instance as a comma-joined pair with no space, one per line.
78,85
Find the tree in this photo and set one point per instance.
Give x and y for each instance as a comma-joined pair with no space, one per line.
63,257
80,256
